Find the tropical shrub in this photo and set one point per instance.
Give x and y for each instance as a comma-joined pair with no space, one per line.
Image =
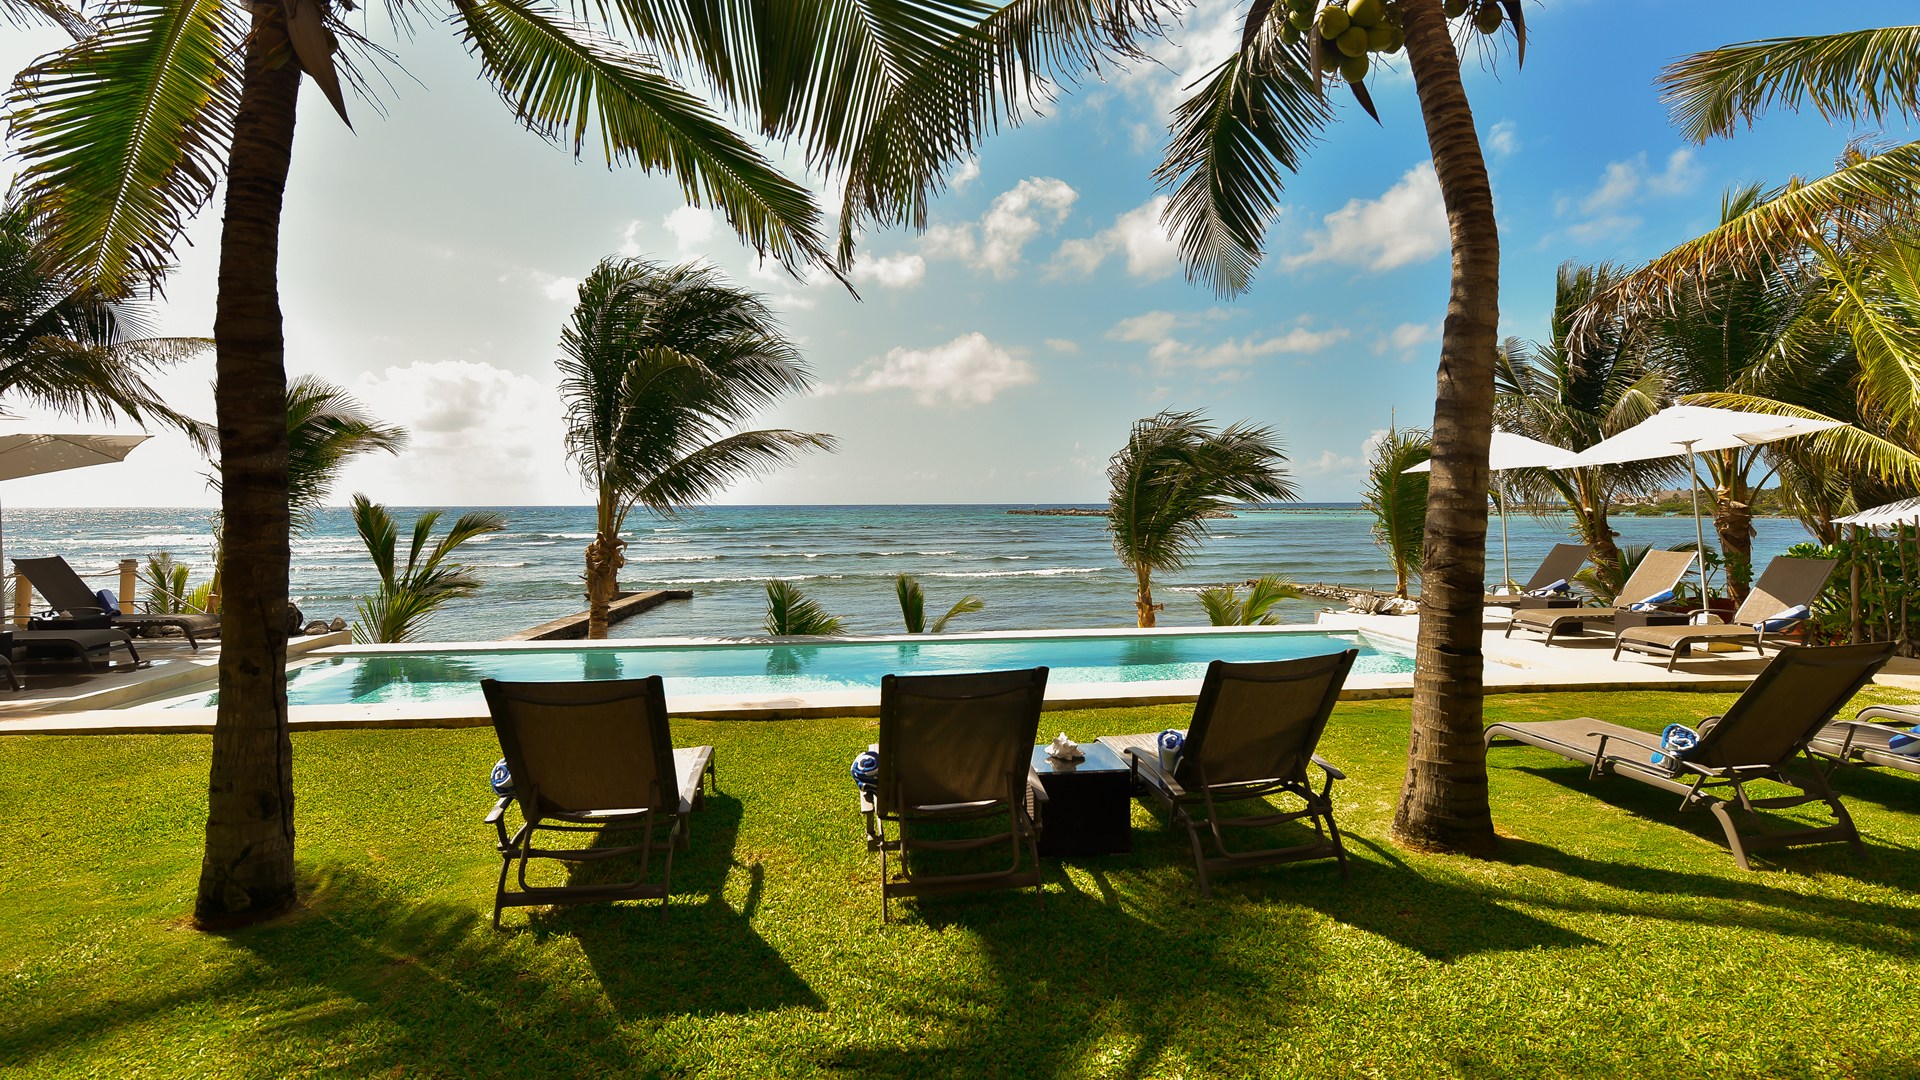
409,596
913,606
790,612
1398,500
1225,608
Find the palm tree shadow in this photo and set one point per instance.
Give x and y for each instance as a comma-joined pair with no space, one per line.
705,958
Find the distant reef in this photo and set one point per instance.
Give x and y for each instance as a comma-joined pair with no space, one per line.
1081,511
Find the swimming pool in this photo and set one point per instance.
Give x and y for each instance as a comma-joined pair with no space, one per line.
447,675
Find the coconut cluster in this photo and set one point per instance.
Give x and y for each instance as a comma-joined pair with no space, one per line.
1351,29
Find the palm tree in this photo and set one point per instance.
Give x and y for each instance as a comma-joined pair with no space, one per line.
1575,391
326,428
70,345
409,596
128,132
1225,608
661,364
1175,472
913,607
791,613
1398,500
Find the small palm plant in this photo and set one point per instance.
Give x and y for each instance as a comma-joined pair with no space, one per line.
1398,501
167,591
1225,608
913,606
409,596
790,613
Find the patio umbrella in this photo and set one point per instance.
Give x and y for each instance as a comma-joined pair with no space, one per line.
1510,451
1689,430
1896,515
31,453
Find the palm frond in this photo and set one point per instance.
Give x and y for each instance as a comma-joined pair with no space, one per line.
1842,449
1254,115
26,13
1269,590
559,76
1863,75
1221,605
966,605
791,613
913,603
124,132
1175,472
408,598
1398,500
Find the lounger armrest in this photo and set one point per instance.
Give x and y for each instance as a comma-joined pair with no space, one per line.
1855,727
1331,771
499,810
1034,785
1605,735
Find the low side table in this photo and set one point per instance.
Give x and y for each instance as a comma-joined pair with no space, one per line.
1089,807
1516,602
1628,620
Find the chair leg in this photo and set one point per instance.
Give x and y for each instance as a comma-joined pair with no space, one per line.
1339,845
1733,834
1199,857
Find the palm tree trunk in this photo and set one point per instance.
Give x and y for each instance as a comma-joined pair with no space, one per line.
603,580
247,872
1443,803
1143,598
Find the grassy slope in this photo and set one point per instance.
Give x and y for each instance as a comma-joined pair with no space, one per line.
1613,937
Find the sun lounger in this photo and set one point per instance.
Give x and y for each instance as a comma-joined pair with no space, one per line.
592,758
1755,739
1866,741
67,594
1253,734
1561,564
1788,585
1658,572
955,748
84,646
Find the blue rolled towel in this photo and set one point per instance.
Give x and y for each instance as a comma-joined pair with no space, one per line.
1652,602
1554,588
109,603
1676,740
1171,743
866,771
502,778
1907,745
1785,619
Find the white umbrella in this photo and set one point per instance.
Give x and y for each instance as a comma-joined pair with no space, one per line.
1510,451
31,453
1690,430
1904,512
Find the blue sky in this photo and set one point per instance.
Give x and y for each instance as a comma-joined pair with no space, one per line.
428,261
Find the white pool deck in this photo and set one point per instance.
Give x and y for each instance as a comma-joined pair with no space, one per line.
116,702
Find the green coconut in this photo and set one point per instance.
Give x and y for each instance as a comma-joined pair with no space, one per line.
1354,68
1393,46
1353,42
1333,22
1487,20
1378,37
1290,34
1301,20
1366,13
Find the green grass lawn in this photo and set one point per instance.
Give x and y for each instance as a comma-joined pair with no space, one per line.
1612,937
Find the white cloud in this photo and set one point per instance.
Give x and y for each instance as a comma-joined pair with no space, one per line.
1407,338
967,173
1151,253
1504,138
1063,345
691,226
562,288
969,370
1624,184
1334,463
629,246
1017,215
1407,224
482,435
1228,359
897,272
1212,33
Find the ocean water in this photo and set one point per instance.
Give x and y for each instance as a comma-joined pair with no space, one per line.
1032,572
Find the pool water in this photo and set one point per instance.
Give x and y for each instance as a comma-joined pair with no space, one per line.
763,668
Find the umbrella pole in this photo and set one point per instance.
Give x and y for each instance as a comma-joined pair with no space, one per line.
1699,535
1506,562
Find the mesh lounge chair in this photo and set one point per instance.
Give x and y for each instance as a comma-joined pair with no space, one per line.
1561,564
1863,743
591,758
1658,572
956,748
1787,584
1756,739
82,646
1254,731
67,594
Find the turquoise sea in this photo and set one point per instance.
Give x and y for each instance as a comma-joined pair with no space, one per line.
1033,572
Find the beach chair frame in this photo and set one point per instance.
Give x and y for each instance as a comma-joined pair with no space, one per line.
1788,582
1658,572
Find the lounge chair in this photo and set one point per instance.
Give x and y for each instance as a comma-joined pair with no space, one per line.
955,748
83,646
1755,739
68,595
1561,564
1788,584
592,758
1861,742
1658,572
1253,733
